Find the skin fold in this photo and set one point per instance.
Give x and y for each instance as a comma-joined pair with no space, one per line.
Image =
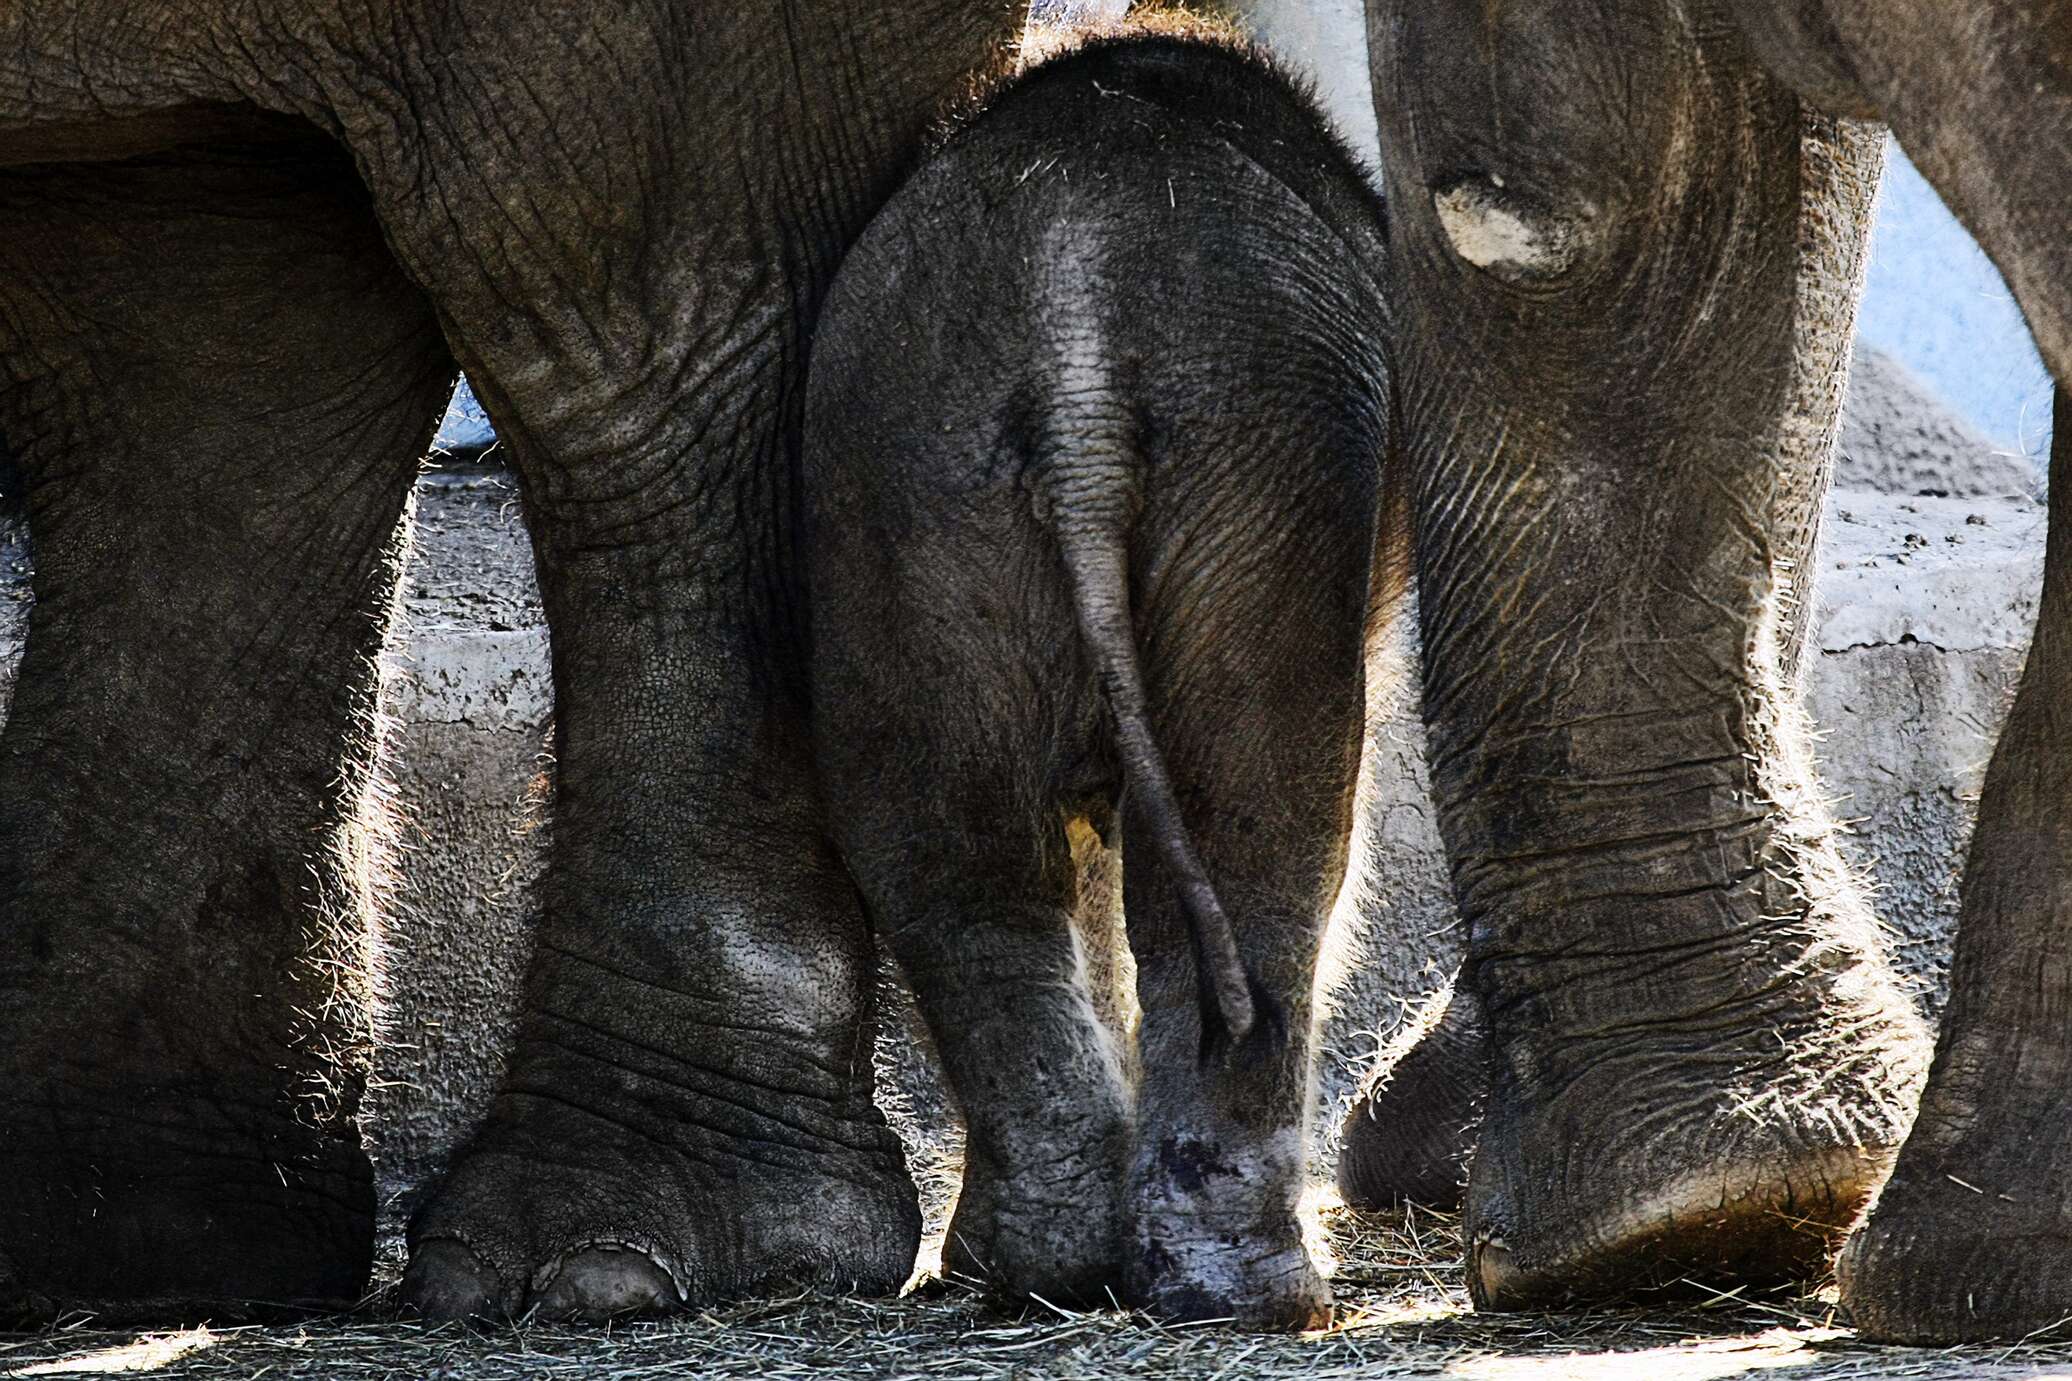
1095,433
1585,181
620,219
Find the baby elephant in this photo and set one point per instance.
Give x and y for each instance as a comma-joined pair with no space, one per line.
1096,418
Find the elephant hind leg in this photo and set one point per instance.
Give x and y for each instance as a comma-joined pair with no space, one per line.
948,743
1255,679
218,385
1408,1136
1971,1237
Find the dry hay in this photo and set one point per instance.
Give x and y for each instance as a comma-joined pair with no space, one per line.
1402,1314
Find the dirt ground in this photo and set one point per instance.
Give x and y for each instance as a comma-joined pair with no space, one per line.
1402,1314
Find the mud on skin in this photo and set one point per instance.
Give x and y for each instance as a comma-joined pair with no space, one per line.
1097,415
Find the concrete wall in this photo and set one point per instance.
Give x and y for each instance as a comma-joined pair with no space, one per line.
1326,41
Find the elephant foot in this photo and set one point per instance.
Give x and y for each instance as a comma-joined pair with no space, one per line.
576,1215
1759,1225
1216,1238
1684,1162
1258,1282
1970,1239
179,1209
1956,1258
448,1281
1407,1137
1052,1232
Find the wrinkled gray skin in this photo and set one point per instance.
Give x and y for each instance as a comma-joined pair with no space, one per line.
241,249
1411,1129
1698,1064
1097,415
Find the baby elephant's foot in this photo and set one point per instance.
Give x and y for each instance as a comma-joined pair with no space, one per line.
1051,1232
1216,1237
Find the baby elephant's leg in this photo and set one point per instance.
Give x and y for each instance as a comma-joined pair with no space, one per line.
936,744
1256,688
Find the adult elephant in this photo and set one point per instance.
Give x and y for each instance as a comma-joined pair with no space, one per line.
1629,235
241,248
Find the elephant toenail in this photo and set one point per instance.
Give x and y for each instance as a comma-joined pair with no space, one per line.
447,1283
1490,1265
599,1283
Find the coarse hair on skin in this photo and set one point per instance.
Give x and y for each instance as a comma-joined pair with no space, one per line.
1189,60
1044,42
356,887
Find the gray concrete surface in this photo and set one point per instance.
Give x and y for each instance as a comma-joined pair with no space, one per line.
1898,436
469,700
1927,605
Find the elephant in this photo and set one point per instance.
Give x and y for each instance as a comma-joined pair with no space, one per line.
1096,532
1410,1130
1626,240
242,249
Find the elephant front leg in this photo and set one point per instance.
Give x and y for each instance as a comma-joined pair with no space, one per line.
217,388
1971,1238
687,1114
1626,320
629,256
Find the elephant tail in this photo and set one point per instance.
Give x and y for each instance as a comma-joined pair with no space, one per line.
1091,497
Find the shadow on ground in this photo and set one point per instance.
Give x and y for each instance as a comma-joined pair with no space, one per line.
1402,1314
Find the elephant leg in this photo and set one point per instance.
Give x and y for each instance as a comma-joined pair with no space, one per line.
217,386
1409,1133
1971,1238
1979,95
1259,713
1626,321
687,1113
986,937
979,912
959,754
627,217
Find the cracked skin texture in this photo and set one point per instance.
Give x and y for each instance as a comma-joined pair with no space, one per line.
1549,825
619,218
1694,1040
661,532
